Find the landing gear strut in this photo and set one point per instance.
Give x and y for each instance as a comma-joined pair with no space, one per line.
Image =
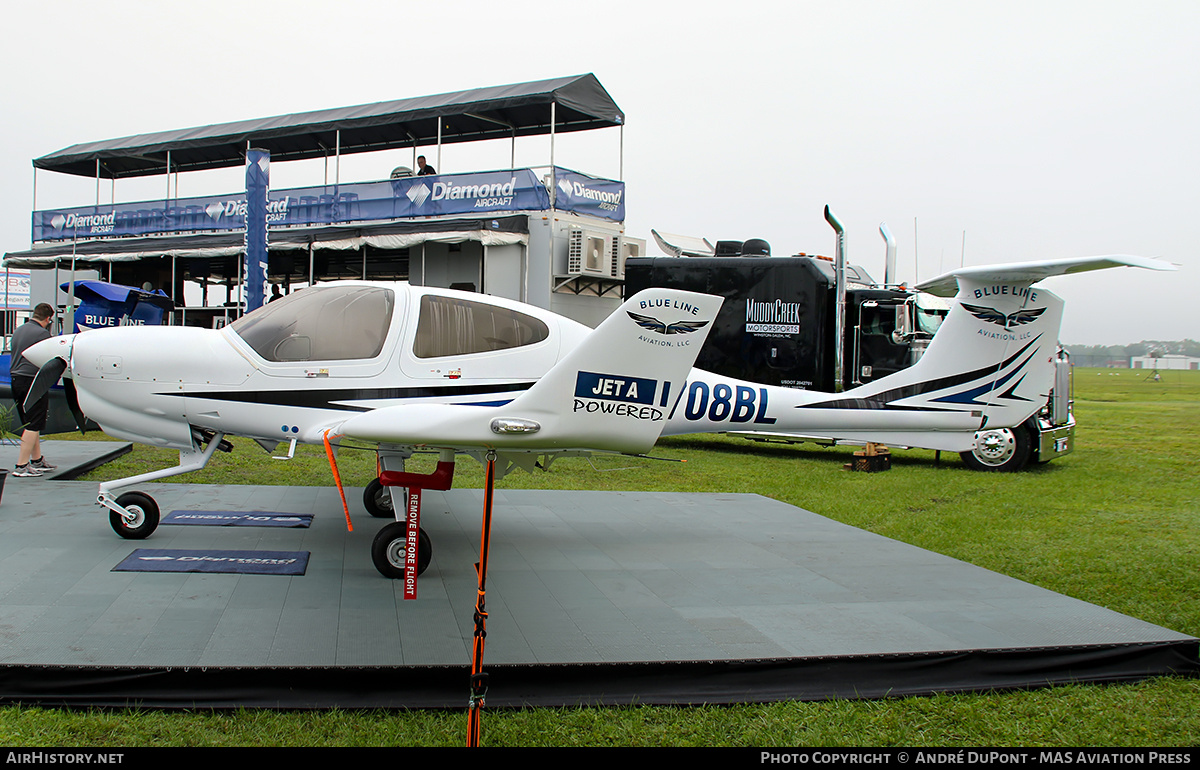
134,515
398,494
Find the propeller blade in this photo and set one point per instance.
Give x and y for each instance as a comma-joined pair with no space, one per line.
73,404
45,379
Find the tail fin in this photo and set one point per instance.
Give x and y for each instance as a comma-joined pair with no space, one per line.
615,390
612,393
995,352
993,356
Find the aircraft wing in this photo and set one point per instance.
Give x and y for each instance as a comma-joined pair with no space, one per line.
946,285
612,393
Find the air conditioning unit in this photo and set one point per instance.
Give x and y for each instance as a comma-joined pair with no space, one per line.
589,253
623,249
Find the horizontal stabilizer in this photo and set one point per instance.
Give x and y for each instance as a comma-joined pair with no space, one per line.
946,285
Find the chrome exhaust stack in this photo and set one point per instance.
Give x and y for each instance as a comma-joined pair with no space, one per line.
839,315
889,265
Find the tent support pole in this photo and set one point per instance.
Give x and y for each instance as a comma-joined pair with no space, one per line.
553,175
71,297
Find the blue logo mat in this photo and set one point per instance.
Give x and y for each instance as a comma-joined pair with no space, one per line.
235,562
239,518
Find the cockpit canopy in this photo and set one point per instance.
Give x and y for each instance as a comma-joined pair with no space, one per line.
351,322
321,323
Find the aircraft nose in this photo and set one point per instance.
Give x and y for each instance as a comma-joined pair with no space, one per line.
55,347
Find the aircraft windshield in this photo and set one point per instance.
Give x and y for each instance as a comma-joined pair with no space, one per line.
322,323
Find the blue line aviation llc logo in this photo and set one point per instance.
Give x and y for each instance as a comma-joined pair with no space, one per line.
992,315
1005,321
618,395
658,326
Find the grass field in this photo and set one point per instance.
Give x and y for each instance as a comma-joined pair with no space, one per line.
1116,523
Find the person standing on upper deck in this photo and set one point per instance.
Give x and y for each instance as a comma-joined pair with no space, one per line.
424,168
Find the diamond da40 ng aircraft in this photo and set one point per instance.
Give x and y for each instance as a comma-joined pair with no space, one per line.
409,368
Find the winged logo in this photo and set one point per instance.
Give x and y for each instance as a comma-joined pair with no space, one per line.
992,315
662,327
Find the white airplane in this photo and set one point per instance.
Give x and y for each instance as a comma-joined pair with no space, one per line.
410,368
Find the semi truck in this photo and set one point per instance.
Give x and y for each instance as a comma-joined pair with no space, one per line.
779,326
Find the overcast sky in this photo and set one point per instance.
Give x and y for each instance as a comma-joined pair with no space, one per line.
1040,129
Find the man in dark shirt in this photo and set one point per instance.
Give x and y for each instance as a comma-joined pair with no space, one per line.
425,168
22,372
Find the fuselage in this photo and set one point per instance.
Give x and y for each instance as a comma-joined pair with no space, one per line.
302,365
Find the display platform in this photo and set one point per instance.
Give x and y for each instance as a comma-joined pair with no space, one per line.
593,597
73,458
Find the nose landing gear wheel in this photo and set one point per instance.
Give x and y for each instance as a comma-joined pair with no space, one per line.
145,516
389,550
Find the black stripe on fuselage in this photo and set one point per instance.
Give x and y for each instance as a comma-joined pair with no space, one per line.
327,398
884,400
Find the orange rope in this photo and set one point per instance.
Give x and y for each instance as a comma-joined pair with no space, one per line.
337,477
478,678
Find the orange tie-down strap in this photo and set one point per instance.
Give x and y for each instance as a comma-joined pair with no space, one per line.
337,478
479,680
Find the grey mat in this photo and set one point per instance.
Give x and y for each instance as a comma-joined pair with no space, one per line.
575,578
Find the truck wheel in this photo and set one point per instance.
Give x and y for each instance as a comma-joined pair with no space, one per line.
999,449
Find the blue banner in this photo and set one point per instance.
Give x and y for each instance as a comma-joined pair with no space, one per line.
239,519
258,179
442,194
589,195
436,195
237,562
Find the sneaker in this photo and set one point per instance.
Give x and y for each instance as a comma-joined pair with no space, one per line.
26,470
42,465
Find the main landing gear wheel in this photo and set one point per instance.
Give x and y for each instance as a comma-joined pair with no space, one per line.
377,499
145,516
999,449
388,550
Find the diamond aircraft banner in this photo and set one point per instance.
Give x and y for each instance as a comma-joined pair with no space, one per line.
435,195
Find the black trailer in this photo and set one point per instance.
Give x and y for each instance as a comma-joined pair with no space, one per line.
777,324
